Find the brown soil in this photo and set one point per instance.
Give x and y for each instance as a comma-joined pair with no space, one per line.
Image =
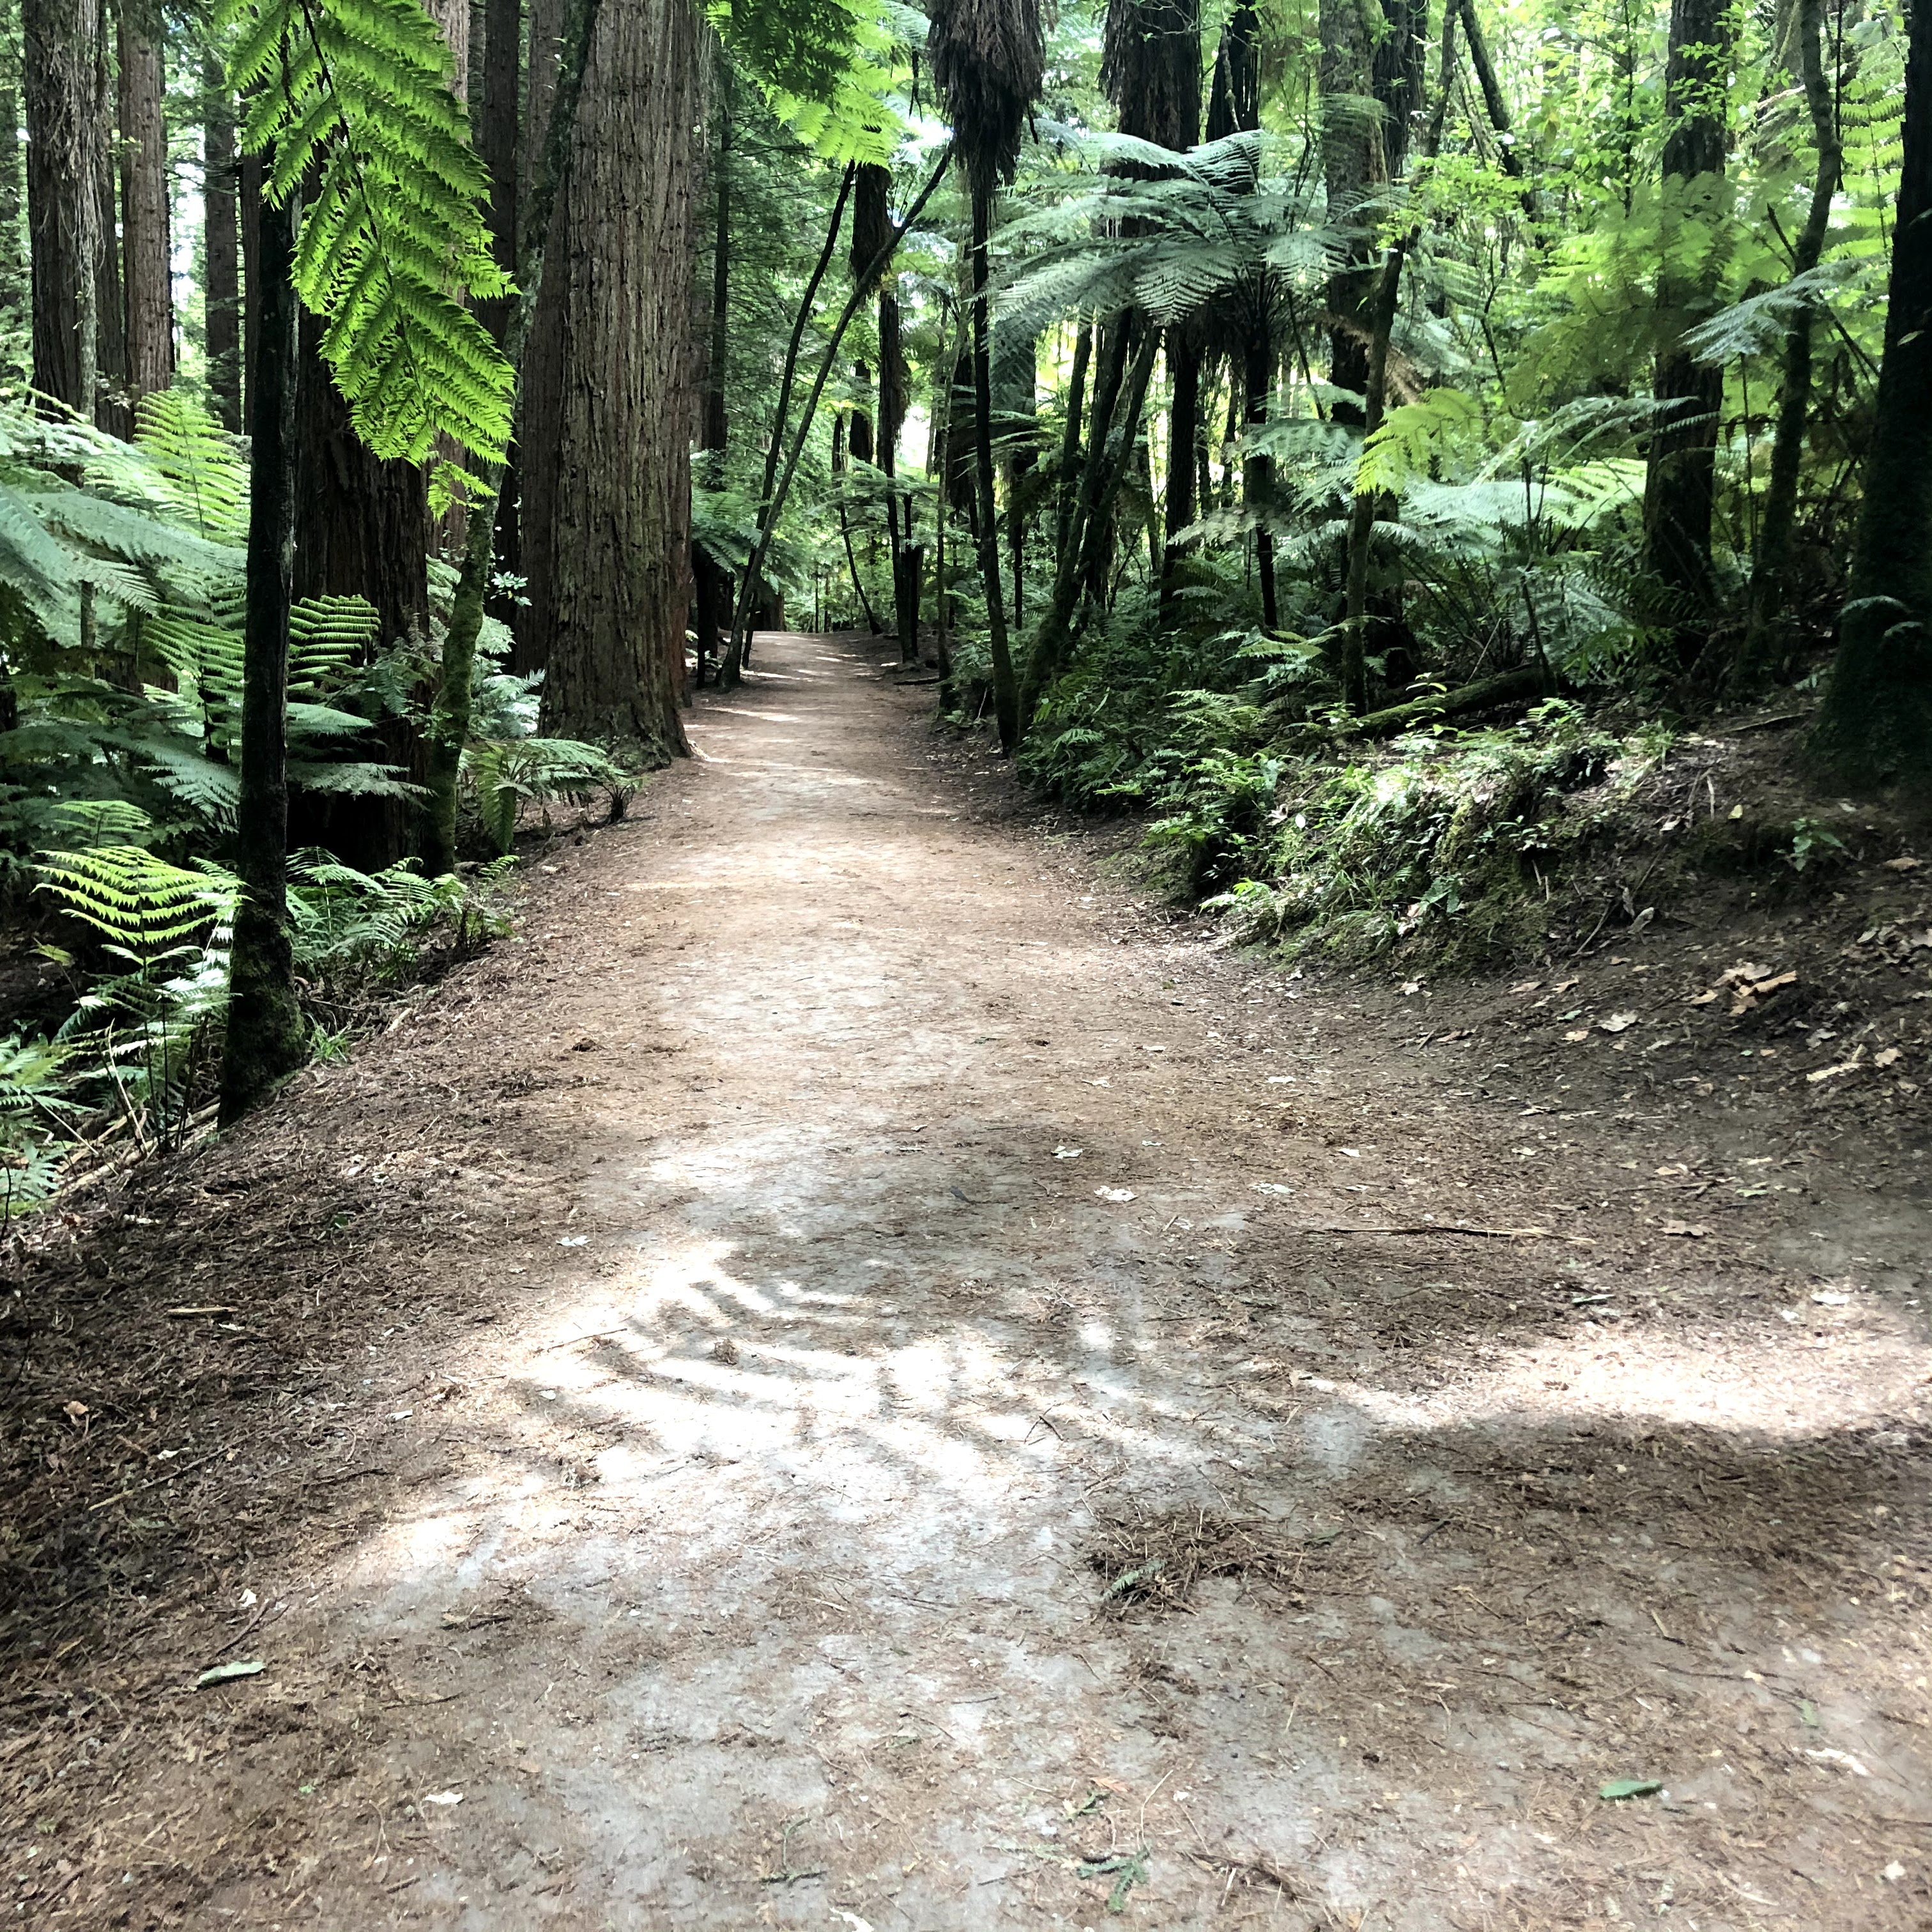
858,1375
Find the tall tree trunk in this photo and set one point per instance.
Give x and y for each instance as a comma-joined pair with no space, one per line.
737,652
621,540
1365,506
146,267
1151,67
222,290
1006,689
448,730
540,385
1771,566
1876,722
1183,432
112,410
64,151
15,286
1353,168
364,528
248,179
1258,468
1498,108
711,599
265,1039
1680,481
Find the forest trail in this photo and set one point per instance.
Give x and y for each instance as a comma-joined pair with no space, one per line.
762,1349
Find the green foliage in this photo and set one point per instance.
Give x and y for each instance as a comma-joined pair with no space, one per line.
351,927
353,97
502,778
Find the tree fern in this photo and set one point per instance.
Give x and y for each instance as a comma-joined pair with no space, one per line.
357,93
200,466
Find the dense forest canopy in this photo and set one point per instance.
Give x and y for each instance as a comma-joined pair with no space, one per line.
410,403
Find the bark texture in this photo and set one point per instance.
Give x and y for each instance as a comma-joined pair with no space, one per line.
222,237
64,150
541,389
16,292
1679,483
1875,723
365,527
620,534
266,1039
145,276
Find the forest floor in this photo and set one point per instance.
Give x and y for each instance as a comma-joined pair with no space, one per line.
860,1373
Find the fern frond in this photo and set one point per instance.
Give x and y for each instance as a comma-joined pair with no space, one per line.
355,94
135,901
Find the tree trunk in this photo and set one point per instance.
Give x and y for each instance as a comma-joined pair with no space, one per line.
1366,506
15,286
265,1039
1680,481
1006,690
364,527
711,609
1183,432
1353,168
112,409
540,384
1876,722
1492,93
249,180
499,80
146,271
1258,470
738,651
621,538
222,291
64,151
1771,567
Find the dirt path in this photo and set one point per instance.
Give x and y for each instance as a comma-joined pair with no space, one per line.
810,1390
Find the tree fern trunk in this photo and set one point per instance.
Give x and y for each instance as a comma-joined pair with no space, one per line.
1183,433
1771,567
1258,470
266,1040
1680,481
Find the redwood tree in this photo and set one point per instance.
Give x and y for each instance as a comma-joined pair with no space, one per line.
64,148
146,278
619,534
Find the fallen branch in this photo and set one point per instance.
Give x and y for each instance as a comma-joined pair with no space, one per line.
1505,688
1444,1227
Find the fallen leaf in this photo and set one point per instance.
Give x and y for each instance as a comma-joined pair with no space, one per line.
1411,986
226,1673
1577,1032
76,1411
1526,986
1563,985
1690,1231
1617,1022
1745,969
442,1798
1068,1153
571,1241
1850,1065
1619,1788
1889,1056
1114,1193
206,1308
1700,999
1764,988
1908,864
1270,1187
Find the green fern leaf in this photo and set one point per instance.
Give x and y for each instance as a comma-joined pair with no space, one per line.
355,94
